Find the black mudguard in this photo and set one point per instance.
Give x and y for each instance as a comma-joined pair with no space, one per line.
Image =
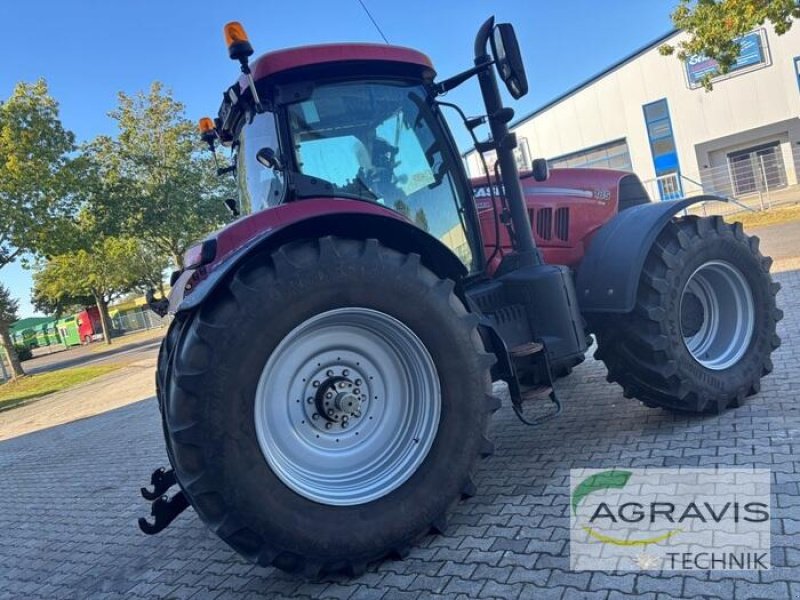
608,275
394,233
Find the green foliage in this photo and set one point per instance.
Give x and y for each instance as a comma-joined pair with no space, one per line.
109,268
714,25
23,352
36,386
38,177
9,307
155,182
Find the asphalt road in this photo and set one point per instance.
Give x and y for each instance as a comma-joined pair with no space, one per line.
89,355
779,241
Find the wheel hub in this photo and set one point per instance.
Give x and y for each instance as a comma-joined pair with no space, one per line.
692,315
717,314
338,399
347,406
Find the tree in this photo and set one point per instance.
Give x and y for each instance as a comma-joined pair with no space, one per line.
714,27
157,184
109,268
421,219
64,304
38,175
8,314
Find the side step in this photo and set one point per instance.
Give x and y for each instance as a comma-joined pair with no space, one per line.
544,390
536,394
528,349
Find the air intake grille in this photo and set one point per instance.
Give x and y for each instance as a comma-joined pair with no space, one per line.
562,223
544,223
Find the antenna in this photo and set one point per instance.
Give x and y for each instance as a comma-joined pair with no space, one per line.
374,22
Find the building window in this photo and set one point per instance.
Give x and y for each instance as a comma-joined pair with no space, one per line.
613,155
756,169
797,69
662,148
662,140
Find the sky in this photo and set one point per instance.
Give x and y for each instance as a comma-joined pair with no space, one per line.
90,50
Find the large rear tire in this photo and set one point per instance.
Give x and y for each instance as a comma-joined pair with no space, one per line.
703,328
344,330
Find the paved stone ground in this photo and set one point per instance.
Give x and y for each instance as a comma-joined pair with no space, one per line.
70,501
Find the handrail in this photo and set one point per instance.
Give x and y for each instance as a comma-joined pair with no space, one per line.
726,197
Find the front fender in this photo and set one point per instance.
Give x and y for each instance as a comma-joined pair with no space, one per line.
608,276
391,231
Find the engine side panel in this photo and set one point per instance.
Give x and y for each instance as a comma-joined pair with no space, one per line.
565,211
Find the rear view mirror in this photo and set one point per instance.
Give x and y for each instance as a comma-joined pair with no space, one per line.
269,159
508,60
540,170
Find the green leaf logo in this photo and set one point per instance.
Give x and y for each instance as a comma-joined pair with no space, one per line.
603,481
598,481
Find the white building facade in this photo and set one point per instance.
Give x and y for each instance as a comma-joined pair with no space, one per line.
649,113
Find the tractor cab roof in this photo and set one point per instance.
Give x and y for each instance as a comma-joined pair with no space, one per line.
312,64
329,56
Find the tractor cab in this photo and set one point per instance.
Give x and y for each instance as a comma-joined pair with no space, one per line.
353,122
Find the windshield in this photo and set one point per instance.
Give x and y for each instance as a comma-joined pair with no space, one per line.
259,187
380,141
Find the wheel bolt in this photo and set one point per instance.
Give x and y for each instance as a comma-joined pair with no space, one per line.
356,391
329,373
329,395
315,416
357,382
315,384
310,400
345,373
327,425
330,412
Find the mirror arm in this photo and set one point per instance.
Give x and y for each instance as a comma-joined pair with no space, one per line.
505,143
481,39
456,80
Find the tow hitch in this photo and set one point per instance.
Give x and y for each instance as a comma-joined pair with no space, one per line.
164,509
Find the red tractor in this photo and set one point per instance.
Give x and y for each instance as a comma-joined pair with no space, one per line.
326,384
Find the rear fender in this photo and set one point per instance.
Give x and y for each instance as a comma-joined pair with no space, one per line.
392,232
608,276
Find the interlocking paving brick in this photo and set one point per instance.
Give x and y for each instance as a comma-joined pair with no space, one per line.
70,503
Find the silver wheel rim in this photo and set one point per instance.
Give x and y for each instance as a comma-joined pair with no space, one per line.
717,315
347,406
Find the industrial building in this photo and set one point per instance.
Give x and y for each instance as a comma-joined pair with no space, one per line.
650,114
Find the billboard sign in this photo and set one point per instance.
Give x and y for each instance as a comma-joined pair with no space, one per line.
751,53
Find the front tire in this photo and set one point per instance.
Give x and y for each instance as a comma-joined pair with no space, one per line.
704,325
287,338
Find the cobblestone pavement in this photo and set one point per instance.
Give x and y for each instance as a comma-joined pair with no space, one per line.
70,502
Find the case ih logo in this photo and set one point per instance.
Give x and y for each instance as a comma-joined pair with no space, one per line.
669,519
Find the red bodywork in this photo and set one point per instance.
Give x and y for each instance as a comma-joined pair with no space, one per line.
565,211
276,62
89,323
240,232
